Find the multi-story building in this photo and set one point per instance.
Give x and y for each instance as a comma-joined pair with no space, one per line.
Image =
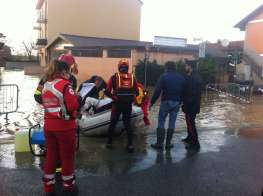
116,19
252,24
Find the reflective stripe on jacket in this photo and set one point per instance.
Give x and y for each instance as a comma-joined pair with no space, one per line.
53,100
124,84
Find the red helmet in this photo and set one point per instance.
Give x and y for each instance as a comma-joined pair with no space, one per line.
123,64
67,58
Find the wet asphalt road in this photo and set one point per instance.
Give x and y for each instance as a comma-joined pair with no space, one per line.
232,168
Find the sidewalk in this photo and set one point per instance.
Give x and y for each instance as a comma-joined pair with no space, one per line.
228,164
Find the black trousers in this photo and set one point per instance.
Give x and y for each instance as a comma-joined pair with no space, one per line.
191,128
118,109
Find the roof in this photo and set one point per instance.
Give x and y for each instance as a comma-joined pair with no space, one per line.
85,41
242,24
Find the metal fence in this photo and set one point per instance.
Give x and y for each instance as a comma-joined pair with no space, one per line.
8,98
243,93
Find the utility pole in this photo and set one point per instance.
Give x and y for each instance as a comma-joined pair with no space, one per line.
146,58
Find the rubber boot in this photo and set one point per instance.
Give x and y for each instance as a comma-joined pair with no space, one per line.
194,145
160,139
169,137
187,139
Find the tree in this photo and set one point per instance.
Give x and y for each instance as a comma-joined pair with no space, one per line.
29,47
207,69
180,67
153,72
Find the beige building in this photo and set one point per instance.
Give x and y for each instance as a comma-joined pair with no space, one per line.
118,19
100,56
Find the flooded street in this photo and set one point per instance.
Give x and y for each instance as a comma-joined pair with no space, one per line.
219,116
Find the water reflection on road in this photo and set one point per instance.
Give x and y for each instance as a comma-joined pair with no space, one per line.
220,116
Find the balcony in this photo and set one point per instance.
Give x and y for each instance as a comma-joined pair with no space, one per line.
42,20
37,28
41,42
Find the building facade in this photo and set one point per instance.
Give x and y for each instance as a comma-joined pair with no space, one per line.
253,45
115,19
253,27
100,56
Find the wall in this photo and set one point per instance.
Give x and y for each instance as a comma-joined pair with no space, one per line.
254,35
20,65
161,57
104,67
97,18
33,69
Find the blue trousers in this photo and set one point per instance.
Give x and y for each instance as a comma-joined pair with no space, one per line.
171,108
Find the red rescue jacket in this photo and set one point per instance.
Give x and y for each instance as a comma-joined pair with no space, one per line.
122,87
60,104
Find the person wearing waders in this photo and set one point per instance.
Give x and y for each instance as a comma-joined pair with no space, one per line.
60,104
170,87
191,103
122,89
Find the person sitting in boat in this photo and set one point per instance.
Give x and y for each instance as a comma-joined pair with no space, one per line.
142,100
92,93
92,87
95,106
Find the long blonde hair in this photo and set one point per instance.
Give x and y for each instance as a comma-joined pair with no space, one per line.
54,68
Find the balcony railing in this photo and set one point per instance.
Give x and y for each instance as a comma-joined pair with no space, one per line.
37,28
42,19
41,42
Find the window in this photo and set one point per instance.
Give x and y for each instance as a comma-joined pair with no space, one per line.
91,52
119,53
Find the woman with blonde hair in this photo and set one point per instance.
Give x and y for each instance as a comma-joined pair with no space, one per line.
61,104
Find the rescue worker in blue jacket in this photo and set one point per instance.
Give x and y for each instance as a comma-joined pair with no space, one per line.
191,103
170,86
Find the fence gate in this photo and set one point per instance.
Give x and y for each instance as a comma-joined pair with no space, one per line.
8,99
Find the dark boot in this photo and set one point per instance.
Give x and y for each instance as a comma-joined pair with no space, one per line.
187,139
169,138
194,145
160,139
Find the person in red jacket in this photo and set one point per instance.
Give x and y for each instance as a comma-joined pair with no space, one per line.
143,100
60,104
122,88
71,62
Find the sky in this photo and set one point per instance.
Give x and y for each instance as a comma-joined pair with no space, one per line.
206,19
